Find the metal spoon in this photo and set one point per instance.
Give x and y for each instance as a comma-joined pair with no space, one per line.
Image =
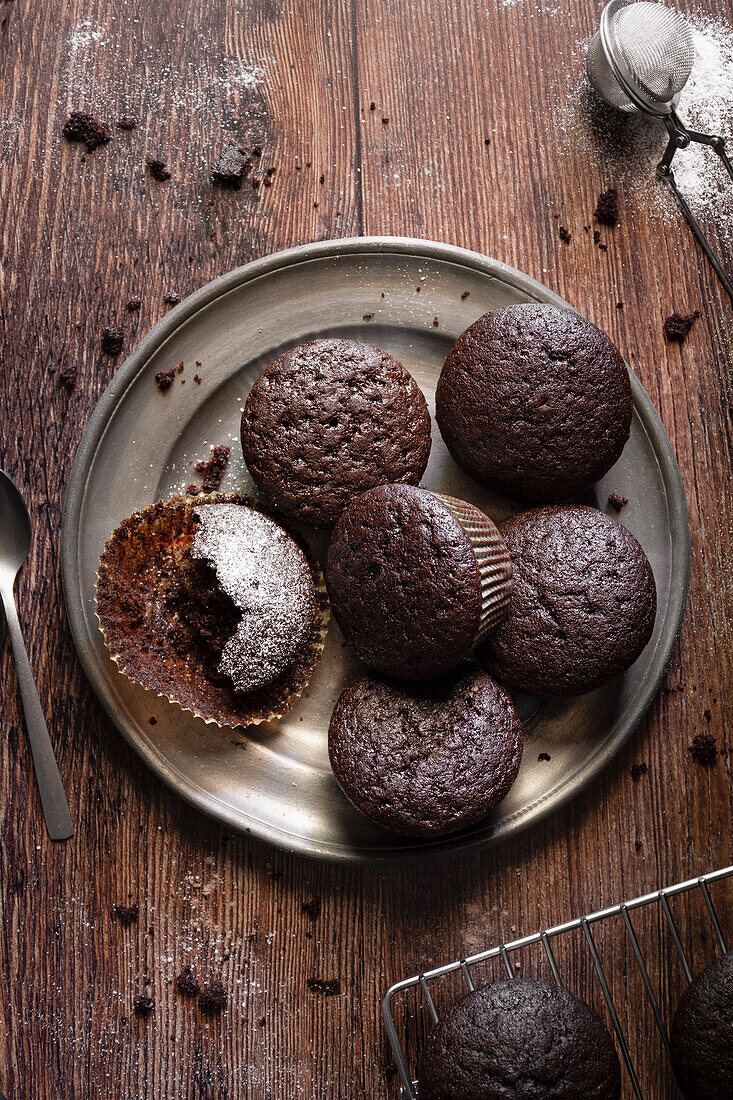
15,541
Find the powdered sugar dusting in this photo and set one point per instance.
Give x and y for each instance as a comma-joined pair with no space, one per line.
267,576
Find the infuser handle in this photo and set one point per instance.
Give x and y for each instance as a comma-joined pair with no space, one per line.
665,173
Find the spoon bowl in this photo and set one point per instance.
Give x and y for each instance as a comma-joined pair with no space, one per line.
15,527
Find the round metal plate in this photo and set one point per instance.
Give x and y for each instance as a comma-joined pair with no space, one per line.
275,781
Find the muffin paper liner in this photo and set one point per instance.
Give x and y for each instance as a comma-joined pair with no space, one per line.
132,581
492,556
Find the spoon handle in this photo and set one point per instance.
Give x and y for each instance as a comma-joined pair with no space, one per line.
53,799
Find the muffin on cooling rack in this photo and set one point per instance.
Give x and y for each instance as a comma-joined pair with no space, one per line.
534,402
583,604
212,604
415,579
328,420
701,1036
519,1039
425,759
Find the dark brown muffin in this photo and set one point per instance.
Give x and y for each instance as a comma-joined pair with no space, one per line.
520,1040
405,583
328,420
428,759
583,604
701,1036
534,402
209,602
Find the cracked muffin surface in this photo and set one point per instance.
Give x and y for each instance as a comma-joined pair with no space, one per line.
422,760
534,402
583,604
520,1039
328,420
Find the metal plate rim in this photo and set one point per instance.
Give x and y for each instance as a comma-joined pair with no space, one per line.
70,527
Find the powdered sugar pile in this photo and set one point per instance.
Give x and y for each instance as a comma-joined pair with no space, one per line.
628,147
267,576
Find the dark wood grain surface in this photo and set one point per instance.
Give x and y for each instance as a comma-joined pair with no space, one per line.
83,233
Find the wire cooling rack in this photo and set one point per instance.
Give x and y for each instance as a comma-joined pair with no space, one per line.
659,899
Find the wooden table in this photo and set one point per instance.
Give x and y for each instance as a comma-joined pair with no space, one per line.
82,234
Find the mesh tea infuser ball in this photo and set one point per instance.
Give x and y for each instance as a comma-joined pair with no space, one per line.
640,60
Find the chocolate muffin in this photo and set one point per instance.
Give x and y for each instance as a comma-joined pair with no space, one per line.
328,420
701,1036
520,1040
415,580
422,760
534,402
583,603
210,603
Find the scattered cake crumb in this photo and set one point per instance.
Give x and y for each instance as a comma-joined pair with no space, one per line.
465,295
677,326
171,298
372,106
232,167
385,121
312,907
158,169
212,998
436,321
564,234
143,1005
134,305
544,756
197,379
84,128
126,914
68,376
187,983
617,502
487,141
329,987
164,378
704,749
153,721
126,122
619,305
367,316
607,207
112,340
639,770
213,468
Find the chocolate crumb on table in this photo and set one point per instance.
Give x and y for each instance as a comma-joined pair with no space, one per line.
639,770
197,379
126,914
68,376
143,1005
171,298
677,326
126,122
212,998
312,907
134,305
232,166
157,169
213,468
707,715
704,749
564,234
84,128
487,141
112,340
465,295
367,316
372,106
544,756
436,321
153,721
607,207
617,502
187,983
192,490
329,987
